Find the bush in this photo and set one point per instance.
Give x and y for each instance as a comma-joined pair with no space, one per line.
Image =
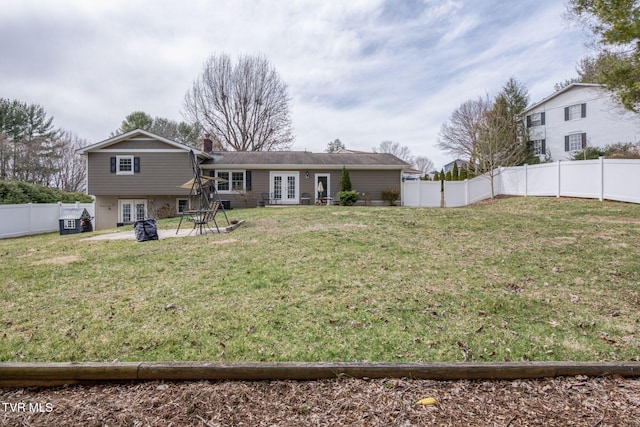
17,192
345,180
348,198
390,195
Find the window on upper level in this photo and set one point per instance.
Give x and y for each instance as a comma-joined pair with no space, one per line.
575,112
535,119
125,165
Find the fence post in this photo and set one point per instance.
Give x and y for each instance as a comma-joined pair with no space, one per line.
558,192
526,183
466,192
601,181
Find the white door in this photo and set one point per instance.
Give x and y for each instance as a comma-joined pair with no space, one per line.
132,210
284,187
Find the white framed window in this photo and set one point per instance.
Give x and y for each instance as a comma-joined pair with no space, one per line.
69,224
124,165
535,119
575,112
236,181
538,147
575,141
182,205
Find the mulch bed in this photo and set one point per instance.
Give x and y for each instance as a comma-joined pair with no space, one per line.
562,401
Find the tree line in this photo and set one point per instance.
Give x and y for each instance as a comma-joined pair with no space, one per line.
32,150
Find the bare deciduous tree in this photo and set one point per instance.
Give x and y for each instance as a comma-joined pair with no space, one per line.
243,106
71,168
423,164
459,136
400,151
495,146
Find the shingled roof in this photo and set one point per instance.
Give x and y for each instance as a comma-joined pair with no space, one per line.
305,159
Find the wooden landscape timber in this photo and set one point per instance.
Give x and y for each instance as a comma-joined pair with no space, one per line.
56,374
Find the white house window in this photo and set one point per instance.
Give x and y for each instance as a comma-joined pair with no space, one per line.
535,119
538,147
575,141
575,112
236,181
182,205
124,165
69,224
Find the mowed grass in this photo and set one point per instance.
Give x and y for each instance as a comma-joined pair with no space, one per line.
510,280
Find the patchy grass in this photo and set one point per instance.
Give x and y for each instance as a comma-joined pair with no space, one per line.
515,279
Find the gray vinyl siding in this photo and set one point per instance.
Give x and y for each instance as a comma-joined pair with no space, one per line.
160,174
140,144
373,181
363,181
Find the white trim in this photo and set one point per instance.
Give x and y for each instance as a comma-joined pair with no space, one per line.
141,150
178,199
297,167
133,203
118,171
315,188
285,174
231,190
132,136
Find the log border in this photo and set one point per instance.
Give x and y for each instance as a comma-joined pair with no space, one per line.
56,374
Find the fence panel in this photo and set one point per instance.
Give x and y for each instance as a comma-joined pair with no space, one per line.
34,218
513,181
455,194
621,180
581,179
422,193
611,179
480,188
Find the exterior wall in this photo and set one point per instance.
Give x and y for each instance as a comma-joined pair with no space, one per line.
373,182
158,207
363,181
141,143
106,215
159,173
606,121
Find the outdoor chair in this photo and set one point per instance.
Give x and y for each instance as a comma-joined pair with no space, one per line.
305,197
265,198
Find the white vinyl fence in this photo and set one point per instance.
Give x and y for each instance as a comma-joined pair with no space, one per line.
602,179
34,218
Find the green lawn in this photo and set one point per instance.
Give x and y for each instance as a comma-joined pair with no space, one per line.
516,279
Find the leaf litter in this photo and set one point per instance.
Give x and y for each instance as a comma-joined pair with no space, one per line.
561,401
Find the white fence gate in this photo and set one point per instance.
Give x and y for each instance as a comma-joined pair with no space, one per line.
610,179
34,218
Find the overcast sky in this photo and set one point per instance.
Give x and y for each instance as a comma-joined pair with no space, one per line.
363,71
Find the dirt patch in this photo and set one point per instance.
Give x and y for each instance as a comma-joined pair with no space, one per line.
61,260
570,401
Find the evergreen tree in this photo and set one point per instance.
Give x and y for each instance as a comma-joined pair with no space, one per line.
345,180
463,173
455,176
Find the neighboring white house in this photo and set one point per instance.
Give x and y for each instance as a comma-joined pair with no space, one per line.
577,116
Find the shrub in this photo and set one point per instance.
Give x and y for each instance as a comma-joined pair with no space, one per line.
390,195
348,198
345,180
17,192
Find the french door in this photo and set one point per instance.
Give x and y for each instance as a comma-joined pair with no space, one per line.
131,210
284,187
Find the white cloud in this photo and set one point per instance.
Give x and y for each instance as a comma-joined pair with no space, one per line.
362,71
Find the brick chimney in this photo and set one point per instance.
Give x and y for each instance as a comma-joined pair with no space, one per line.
207,144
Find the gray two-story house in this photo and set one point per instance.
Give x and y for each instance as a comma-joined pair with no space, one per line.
138,175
